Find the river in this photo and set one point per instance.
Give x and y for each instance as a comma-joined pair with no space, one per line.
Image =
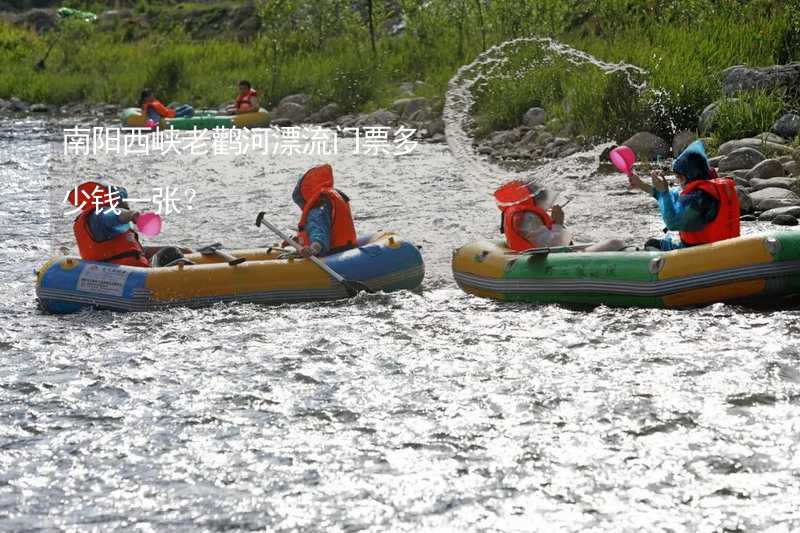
429,411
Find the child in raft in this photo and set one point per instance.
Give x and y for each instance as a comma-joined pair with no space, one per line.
526,223
703,209
154,110
103,229
246,101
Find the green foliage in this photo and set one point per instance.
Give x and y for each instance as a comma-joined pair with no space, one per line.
747,115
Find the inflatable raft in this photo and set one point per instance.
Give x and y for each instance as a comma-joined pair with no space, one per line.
133,118
383,262
752,270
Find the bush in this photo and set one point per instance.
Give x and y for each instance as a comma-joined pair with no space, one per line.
747,115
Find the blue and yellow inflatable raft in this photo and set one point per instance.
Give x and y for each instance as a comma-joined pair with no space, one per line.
383,262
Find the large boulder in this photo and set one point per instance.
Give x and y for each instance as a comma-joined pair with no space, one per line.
710,113
741,158
504,137
785,220
38,20
405,107
788,126
740,78
17,105
681,140
765,147
299,99
289,111
792,210
782,183
648,146
534,116
770,137
381,117
792,168
327,113
745,202
769,168
773,197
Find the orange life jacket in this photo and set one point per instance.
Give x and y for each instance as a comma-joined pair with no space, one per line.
315,185
514,198
160,108
243,99
123,249
726,224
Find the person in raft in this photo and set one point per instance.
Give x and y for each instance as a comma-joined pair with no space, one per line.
154,110
526,223
326,223
246,101
103,229
704,209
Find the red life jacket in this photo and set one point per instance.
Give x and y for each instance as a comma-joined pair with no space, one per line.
514,198
246,99
123,249
726,224
160,108
315,185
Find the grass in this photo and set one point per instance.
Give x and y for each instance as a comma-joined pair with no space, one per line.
322,48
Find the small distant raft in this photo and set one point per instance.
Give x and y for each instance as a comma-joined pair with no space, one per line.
383,262
755,269
133,118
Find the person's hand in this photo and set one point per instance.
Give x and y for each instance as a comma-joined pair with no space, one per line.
314,249
558,214
635,182
660,183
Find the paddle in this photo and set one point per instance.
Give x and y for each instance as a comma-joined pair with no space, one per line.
352,287
214,249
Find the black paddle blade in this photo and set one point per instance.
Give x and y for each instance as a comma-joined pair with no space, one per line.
260,218
355,287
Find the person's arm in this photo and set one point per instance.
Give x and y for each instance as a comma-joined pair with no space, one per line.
318,227
162,110
108,223
533,229
682,212
636,182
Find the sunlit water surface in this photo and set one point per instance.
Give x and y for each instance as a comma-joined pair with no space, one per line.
403,412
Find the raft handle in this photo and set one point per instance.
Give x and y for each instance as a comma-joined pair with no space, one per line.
772,245
656,264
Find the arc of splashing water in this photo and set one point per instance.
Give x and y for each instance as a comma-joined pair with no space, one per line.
459,101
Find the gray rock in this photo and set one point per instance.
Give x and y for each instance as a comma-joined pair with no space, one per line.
381,117
773,197
740,78
290,111
745,201
741,173
649,146
792,168
681,140
504,137
17,105
782,183
327,113
714,161
772,213
438,138
280,122
771,138
709,115
768,148
40,108
747,218
4,104
741,182
435,127
421,115
534,116
405,107
299,99
788,126
741,158
784,220
347,121
769,168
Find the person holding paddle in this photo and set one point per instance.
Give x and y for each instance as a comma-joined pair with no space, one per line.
526,223
703,209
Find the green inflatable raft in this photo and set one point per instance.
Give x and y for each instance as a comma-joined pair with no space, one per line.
133,118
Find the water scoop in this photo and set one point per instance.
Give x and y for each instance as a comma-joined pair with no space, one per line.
149,223
623,158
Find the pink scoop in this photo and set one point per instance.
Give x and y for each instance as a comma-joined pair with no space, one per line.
149,223
623,158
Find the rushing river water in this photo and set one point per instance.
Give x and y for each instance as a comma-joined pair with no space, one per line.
430,411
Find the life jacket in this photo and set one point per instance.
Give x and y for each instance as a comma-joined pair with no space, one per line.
316,185
246,99
122,249
159,108
726,224
512,199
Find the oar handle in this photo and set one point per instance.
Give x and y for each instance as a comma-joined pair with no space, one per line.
299,247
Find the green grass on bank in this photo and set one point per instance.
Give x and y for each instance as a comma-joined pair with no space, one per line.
324,48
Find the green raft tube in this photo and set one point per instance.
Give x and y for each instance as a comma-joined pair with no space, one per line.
133,118
755,269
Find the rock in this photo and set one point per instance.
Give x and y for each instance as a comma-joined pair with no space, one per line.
291,111
741,182
110,109
788,126
438,138
405,107
38,20
39,108
281,122
773,197
792,168
741,158
784,220
435,127
748,218
327,113
772,213
709,115
745,201
534,116
347,121
769,168
681,140
504,137
782,183
765,147
17,105
421,115
4,104
299,99
714,161
741,173
381,117
771,138
740,78
649,146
